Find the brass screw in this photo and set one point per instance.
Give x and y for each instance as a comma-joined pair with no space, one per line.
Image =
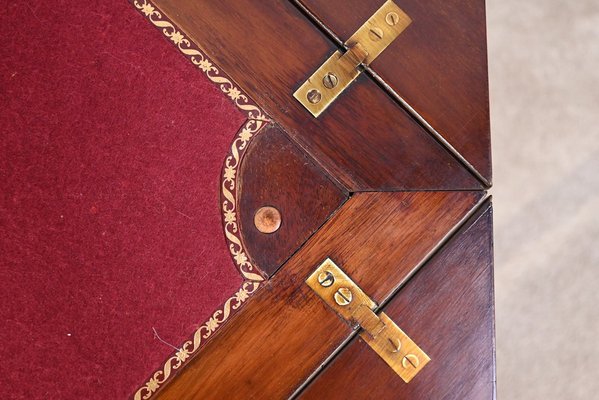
396,346
314,96
326,279
410,360
392,18
375,34
343,296
330,80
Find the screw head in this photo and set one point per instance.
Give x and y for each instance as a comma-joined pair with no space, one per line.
395,345
326,279
330,80
314,96
343,296
267,219
392,18
375,34
410,361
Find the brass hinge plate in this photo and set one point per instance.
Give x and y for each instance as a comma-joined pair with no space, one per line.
378,331
340,70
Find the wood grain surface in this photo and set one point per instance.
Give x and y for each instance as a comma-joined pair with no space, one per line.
447,308
275,173
286,332
438,65
364,140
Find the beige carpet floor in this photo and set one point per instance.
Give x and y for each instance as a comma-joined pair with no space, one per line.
544,73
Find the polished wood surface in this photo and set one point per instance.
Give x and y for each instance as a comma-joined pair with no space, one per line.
275,173
438,65
286,332
365,140
447,307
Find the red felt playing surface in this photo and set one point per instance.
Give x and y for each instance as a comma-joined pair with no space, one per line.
110,162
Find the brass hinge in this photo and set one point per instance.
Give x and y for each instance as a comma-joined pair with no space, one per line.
379,331
329,81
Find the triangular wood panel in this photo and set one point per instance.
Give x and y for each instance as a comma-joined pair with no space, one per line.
447,307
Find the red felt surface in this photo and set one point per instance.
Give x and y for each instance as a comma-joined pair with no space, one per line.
110,162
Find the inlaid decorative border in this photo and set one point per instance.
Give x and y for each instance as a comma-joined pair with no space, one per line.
200,60
229,200
190,347
256,120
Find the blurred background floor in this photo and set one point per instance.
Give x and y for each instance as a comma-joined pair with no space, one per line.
544,78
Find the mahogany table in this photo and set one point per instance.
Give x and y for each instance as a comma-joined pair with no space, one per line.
255,200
